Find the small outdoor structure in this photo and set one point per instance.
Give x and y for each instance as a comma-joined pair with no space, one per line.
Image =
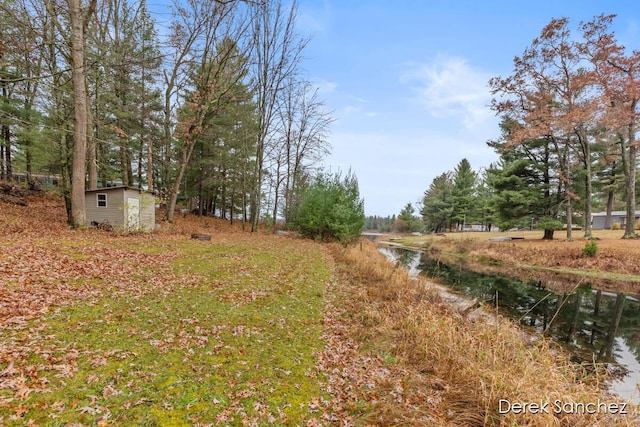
124,208
598,219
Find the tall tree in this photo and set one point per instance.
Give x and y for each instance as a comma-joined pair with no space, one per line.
618,76
437,203
221,155
212,76
536,162
79,17
464,183
124,95
21,61
483,206
302,131
276,56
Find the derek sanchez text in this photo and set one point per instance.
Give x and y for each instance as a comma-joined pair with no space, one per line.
560,407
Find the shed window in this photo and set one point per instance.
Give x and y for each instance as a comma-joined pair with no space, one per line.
102,200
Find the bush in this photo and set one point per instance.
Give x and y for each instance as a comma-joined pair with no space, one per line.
331,209
615,226
590,249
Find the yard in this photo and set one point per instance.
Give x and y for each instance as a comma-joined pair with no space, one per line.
100,328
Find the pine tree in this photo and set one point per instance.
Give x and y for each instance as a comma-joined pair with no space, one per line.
464,183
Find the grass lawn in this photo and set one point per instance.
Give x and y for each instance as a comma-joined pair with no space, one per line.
198,333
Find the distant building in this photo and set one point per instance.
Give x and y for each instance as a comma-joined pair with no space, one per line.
617,217
124,208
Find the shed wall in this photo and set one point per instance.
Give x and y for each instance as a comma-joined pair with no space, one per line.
599,221
147,208
113,212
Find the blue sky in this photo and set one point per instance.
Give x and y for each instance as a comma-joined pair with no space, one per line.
407,81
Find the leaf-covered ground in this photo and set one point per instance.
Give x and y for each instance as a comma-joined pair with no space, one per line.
106,329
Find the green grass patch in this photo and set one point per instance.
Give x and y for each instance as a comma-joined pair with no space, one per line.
234,340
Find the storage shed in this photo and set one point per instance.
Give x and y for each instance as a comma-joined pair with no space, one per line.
598,219
124,208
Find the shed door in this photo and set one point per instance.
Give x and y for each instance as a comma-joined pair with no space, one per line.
133,214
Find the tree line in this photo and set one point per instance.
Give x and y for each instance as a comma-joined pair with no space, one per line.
568,143
211,106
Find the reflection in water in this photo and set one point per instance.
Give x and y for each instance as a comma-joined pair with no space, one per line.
594,325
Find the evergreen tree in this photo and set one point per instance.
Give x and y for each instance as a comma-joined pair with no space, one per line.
464,183
438,204
518,199
407,221
331,209
219,172
125,95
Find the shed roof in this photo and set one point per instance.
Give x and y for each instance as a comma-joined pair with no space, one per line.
613,213
118,187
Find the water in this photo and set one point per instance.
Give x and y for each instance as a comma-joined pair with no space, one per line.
593,325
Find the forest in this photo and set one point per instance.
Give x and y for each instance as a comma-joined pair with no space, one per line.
569,122
208,105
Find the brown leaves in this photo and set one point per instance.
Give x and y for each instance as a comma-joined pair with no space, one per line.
43,266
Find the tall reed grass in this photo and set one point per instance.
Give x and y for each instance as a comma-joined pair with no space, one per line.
471,369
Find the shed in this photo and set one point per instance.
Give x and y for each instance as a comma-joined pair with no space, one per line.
617,217
125,208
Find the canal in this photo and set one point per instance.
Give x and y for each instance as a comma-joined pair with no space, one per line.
593,325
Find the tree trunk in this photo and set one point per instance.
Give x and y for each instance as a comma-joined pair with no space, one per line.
607,219
257,191
149,164
201,201
5,155
587,198
548,234
187,150
78,212
630,181
569,219
92,153
6,159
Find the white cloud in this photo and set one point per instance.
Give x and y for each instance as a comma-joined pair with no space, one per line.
450,87
325,86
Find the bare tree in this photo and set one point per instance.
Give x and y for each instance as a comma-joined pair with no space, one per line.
303,128
276,56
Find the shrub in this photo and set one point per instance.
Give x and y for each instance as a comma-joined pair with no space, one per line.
331,209
590,248
615,226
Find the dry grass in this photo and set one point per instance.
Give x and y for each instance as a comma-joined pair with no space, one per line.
456,366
